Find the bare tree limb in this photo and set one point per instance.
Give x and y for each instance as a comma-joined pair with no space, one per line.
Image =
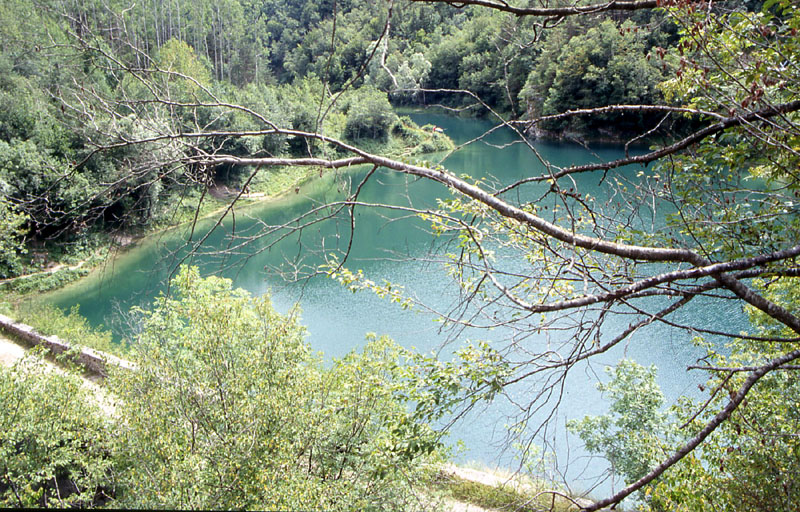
500,5
693,443
684,143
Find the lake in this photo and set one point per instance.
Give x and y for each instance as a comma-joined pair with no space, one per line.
394,245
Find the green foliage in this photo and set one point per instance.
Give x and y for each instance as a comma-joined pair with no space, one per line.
422,139
19,109
281,180
481,55
235,51
36,148
738,191
70,327
524,497
474,229
44,281
338,64
53,439
52,267
12,233
185,74
35,178
264,100
748,463
608,65
476,373
632,434
408,72
305,101
369,115
340,437
228,408
49,167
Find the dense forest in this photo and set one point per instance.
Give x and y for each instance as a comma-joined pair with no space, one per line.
121,117
311,66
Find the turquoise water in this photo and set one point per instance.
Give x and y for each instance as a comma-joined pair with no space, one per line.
396,246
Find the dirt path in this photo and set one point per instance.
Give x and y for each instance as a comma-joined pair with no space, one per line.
499,478
10,351
51,270
481,477
460,506
473,475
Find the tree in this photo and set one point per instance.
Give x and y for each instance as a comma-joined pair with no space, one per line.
748,463
225,405
228,407
607,65
369,115
727,172
54,442
632,434
11,233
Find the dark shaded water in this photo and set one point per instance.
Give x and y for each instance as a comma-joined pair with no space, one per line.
390,245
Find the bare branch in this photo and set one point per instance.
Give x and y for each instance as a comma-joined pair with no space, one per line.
739,369
693,443
621,108
684,143
500,5
665,278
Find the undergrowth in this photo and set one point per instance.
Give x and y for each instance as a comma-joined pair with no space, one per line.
517,498
70,327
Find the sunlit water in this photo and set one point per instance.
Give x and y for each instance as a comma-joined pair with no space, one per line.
393,245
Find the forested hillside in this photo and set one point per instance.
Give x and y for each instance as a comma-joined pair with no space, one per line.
333,67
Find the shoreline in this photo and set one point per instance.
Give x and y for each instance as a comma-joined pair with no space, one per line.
122,242
251,199
110,243
13,348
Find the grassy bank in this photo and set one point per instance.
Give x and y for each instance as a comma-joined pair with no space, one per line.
54,264
500,490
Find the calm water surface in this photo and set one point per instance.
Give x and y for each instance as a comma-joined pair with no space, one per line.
389,245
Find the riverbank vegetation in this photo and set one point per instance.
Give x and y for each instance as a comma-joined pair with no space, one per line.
61,192
248,419
118,116
72,166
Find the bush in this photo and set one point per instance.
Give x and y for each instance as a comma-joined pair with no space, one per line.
369,115
70,327
54,441
229,408
11,234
